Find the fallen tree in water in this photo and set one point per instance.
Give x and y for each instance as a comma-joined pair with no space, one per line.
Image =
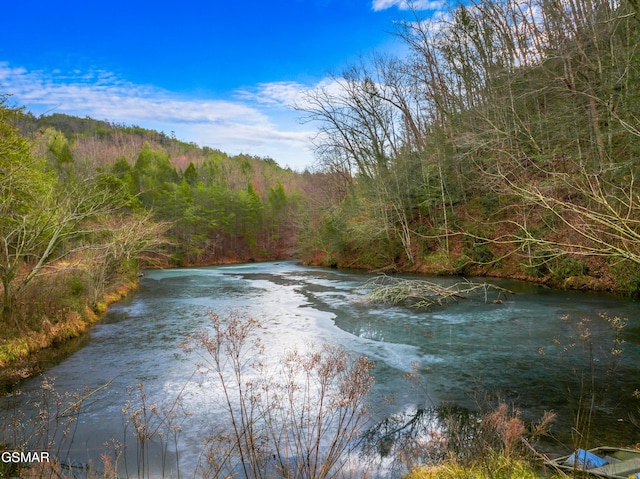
422,294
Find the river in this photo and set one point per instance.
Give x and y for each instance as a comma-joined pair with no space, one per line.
517,350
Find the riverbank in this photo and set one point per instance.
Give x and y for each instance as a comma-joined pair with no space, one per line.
30,351
580,273
57,329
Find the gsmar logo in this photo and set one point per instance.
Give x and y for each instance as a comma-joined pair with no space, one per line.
24,457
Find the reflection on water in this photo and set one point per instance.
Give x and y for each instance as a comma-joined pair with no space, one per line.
420,436
520,351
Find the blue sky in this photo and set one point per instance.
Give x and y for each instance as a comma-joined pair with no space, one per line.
219,73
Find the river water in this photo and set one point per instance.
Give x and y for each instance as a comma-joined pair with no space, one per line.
518,351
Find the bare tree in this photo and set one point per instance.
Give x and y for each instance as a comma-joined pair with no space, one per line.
39,233
601,215
117,241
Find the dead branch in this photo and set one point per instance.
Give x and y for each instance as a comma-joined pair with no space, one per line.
422,294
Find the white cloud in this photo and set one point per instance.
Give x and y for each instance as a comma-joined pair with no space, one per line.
282,94
418,5
256,122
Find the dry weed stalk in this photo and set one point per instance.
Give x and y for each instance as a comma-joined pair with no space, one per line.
47,424
298,419
587,365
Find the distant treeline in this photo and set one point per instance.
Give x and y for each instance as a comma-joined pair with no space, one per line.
219,207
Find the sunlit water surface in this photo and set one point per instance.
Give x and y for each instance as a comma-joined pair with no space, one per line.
462,353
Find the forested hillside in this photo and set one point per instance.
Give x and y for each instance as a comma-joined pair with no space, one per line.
506,142
216,207
85,203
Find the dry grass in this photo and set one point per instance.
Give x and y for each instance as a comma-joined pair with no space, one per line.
51,315
497,467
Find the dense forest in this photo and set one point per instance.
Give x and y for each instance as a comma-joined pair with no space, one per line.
216,208
504,143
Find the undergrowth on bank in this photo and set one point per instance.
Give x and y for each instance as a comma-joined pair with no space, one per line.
496,467
496,445
53,311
